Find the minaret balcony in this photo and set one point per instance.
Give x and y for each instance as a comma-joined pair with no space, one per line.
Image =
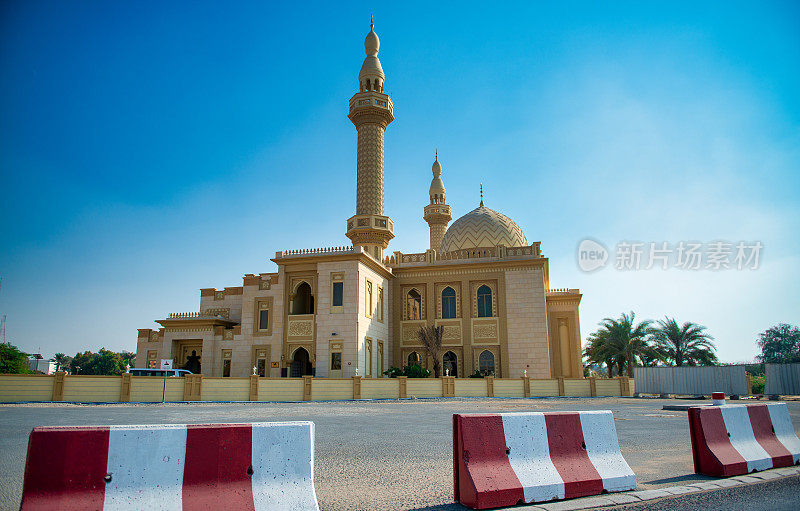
437,212
380,222
370,229
373,99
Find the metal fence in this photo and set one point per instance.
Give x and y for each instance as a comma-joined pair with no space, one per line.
781,379
693,381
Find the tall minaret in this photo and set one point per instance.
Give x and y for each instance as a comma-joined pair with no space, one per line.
437,213
371,113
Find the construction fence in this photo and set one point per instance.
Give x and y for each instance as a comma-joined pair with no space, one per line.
692,381
148,389
782,379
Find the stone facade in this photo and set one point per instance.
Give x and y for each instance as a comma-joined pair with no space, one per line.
346,311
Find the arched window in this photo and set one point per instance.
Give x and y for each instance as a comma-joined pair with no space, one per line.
448,303
303,302
450,361
413,304
486,363
414,358
484,302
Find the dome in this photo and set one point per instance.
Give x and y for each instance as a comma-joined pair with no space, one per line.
483,228
372,44
371,68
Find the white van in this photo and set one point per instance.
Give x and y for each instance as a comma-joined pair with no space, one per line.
159,372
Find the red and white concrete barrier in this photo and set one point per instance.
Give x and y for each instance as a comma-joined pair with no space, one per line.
734,440
267,466
501,460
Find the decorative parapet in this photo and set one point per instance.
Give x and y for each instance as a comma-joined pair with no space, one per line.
263,280
563,291
195,315
182,321
306,252
562,297
499,252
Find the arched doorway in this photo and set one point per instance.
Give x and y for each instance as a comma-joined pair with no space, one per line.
303,302
486,363
414,359
450,362
301,363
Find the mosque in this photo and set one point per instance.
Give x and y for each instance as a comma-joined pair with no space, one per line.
356,310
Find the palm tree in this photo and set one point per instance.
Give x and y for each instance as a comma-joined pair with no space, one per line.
623,343
687,344
62,361
596,352
431,338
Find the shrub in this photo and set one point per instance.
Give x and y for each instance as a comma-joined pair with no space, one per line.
476,374
757,383
416,371
412,371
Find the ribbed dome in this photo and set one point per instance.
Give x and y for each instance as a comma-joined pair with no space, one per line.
483,228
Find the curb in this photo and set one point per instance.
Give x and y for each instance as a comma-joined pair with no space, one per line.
632,497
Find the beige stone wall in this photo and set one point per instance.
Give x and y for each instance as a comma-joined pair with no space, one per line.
372,327
230,301
242,344
563,318
526,319
343,324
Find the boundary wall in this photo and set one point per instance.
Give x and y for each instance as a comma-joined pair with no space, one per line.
16,388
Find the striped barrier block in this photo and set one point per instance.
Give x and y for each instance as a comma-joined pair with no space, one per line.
734,440
261,466
504,459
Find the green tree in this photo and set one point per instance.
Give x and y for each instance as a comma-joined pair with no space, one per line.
779,344
62,361
597,351
622,343
688,344
128,358
12,360
104,362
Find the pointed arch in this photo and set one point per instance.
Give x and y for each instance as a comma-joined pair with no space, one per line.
303,301
486,363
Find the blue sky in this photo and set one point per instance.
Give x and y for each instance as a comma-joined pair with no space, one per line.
149,149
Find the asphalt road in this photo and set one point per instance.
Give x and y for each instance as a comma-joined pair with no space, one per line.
778,495
377,454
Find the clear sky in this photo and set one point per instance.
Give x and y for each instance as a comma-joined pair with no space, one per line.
148,149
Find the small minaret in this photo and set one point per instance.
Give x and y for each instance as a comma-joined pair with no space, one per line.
437,213
371,113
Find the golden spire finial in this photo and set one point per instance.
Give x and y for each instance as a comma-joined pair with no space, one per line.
481,194
371,22
436,155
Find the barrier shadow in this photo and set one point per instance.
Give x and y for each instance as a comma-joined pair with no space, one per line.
694,478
